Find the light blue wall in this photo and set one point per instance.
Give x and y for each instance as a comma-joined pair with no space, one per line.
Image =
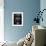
28,7
43,6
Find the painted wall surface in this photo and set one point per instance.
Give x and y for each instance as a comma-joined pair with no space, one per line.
29,8
43,6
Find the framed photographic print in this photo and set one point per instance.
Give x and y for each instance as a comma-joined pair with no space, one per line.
17,18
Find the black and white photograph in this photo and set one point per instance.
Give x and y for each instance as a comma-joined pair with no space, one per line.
17,18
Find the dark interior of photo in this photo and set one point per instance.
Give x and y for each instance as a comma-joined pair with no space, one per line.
17,19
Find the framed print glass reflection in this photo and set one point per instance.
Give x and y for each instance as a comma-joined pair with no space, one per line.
17,18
